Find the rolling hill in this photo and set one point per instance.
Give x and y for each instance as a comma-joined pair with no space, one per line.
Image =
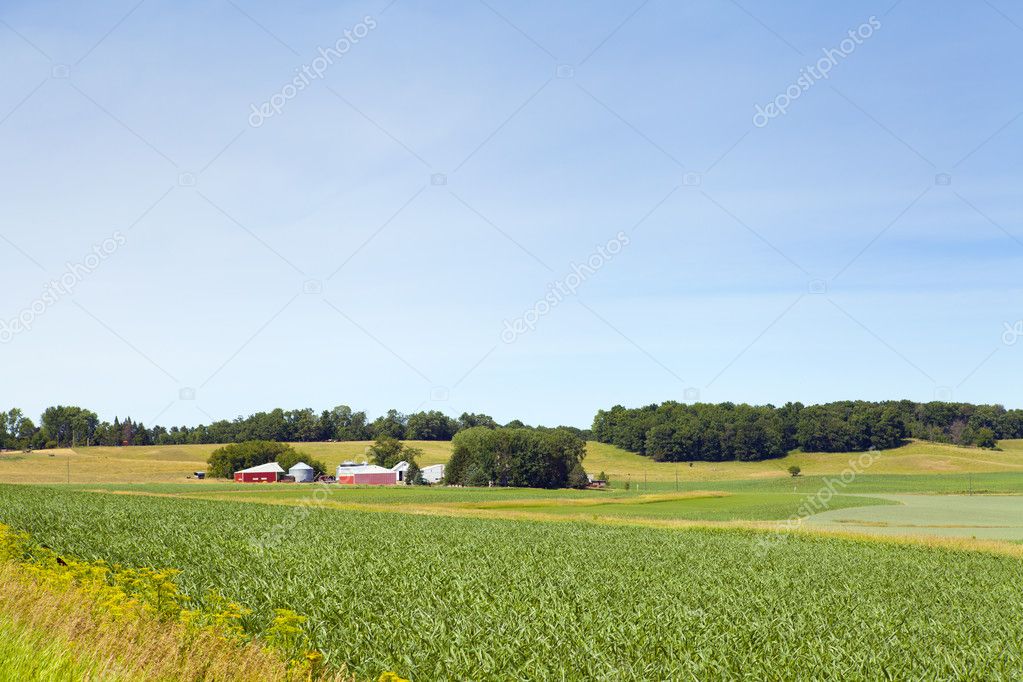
175,463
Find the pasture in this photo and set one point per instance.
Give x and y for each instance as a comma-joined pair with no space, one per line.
914,458
985,517
517,503
175,463
163,463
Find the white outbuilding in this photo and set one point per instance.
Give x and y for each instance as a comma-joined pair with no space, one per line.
433,473
301,472
402,469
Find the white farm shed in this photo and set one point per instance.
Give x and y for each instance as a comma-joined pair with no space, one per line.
301,472
433,473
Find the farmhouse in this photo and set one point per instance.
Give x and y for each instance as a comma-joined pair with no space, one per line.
264,473
365,474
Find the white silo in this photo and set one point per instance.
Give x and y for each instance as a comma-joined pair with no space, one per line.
301,472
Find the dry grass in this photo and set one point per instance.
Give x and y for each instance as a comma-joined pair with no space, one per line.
916,457
130,649
175,463
85,466
164,463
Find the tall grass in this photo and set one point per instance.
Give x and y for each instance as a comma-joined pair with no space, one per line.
113,622
55,631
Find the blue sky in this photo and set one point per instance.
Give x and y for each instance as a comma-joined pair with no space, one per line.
367,243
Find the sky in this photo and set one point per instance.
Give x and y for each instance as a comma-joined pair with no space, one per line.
530,209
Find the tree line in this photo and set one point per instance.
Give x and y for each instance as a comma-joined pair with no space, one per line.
670,431
70,426
675,431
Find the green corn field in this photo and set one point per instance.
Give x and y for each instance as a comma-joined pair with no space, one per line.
438,598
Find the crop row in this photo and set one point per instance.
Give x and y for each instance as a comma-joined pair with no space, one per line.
455,598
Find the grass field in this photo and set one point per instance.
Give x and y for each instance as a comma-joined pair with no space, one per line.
981,516
914,458
332,454
708,506
175,463
164,463
938,484
510,502
28,654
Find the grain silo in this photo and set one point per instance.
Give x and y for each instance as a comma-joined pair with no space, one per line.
301,472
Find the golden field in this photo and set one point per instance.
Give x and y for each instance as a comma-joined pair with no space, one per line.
176,463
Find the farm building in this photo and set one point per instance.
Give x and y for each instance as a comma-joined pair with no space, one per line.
433,473
366,474
264,473
301,472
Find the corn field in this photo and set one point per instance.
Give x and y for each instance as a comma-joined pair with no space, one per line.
436,598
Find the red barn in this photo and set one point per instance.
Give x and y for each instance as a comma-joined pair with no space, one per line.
366,474
264,473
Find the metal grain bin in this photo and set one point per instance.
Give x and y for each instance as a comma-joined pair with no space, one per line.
302,473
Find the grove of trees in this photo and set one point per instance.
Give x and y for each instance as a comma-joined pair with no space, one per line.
528,458
675,431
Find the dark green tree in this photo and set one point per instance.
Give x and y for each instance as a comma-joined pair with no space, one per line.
432,425
414,475
535,458
469,421
392,424
577,477
387,452
985,438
